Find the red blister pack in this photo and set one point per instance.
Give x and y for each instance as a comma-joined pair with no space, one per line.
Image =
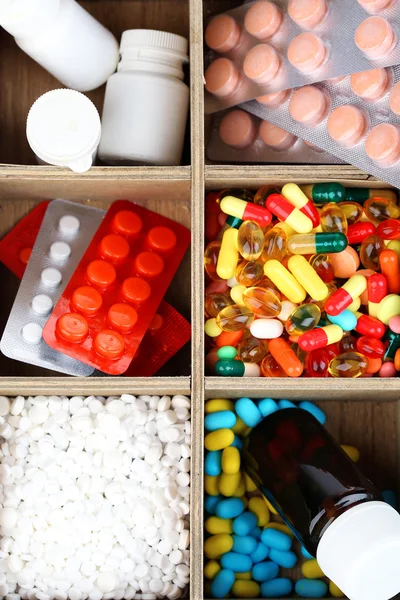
16,246
111,299
168,332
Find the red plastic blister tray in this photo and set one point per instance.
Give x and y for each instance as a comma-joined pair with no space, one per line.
111,299
16,246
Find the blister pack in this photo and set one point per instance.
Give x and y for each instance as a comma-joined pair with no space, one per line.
167,333
66,231
16,246
238,136
110,301
356,119
268,46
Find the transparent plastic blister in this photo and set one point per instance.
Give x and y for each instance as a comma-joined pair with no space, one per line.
269,46
240,137
362,129
66,232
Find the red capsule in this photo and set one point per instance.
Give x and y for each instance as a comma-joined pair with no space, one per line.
357,232
318,362
370,347
389,229
377,288
370,326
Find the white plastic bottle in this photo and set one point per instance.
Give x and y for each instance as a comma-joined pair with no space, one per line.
64,39
146,102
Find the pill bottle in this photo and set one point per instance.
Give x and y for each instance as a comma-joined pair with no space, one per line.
64,39
146,101
63,129
332,508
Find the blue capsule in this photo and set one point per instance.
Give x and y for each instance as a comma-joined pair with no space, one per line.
229,508
237,443
264,571
286,404
239,563
244,523
222,583
284,559
210,503
267,406
244,544
247,410
260,553
311,588
276,588
306,554
256,533
224,419
347,320
314,410
276,539
212,463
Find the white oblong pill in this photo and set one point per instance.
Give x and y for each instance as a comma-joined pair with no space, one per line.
69,225
51,277
266,329
32,333
60,251
42,304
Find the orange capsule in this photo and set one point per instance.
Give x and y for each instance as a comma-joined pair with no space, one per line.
229,338
270,368
390,268
285,357
397,360
374,364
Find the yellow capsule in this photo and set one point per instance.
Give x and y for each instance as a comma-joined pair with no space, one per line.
321,303
211,568
335,591
239,427
234,318
333,218
244,576
388,307
219,439
231,460
395,245
348,364
237,293
370,250
228,484
251,349
241,489
245,589
352,452
379,209
211,259
304,318
250,485
217,405
228,255
250,240
307,277
355,305
215,302
258,506
211,328
249,273
211,485
311,569
286,228
280,527
351,210
216,525
275,244
216,545
284,281
261,302
267,284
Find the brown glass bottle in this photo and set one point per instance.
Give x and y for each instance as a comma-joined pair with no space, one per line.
304,473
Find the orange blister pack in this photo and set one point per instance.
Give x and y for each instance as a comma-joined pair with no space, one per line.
111,299
16,246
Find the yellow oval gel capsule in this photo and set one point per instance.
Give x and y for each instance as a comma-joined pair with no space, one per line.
244,576
284,281
245,589
211,484
211,568
211,328
228,254
216,545
218,405
335,591
352,452
311,569
215,525
240,427
280,527
228,484
260,509
241,489
307,277
237,292
250,240
231,460
250,485
389,307
218,440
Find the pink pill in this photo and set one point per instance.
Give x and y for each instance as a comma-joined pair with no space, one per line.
394,324
383,144
238,129
375,37
394,99
345,263
262,64
387,370
308,105
306,52
263,20
370,85
275,137
222,33
222,78
307,13
346,125
374,6
274,99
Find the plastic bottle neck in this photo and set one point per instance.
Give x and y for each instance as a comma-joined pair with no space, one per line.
27,18
152,60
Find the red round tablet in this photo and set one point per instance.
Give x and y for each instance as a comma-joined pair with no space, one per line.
149,264
72,328
109,344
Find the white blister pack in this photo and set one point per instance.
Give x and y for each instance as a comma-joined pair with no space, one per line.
66,232
356,119
267,46
238,136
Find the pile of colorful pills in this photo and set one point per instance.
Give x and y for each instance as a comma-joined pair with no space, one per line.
247,544
303,280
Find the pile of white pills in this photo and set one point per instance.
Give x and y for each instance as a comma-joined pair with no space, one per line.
94,497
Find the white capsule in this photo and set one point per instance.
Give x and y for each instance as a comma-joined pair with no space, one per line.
266,329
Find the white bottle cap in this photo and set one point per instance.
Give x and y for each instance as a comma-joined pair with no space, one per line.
64,129
360,552
149,50
60,251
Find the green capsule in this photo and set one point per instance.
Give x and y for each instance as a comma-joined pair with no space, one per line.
317,243
360,195
393,340
322,193
230,368
227,353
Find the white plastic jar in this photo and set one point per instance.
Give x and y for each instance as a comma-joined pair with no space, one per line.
64,39
146,101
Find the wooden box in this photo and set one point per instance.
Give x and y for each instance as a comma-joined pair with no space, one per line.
177,192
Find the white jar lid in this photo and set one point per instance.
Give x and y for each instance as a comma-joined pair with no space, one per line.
152,38
64,129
